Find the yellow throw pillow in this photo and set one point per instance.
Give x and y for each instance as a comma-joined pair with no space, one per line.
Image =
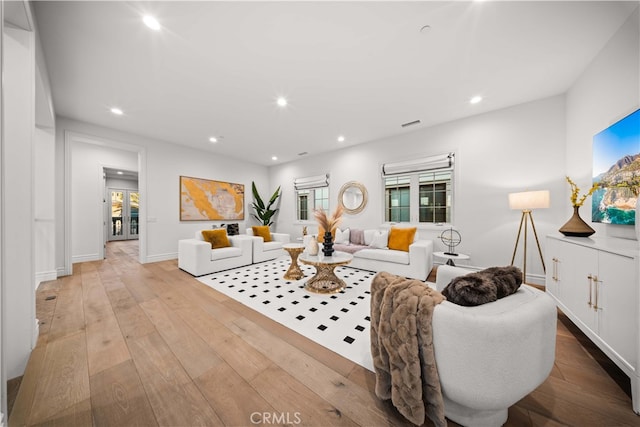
401,238
217,237
262,231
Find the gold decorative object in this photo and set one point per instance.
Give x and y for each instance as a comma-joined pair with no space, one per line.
576,226
353,197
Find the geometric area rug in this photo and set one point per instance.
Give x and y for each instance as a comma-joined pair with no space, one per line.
339,322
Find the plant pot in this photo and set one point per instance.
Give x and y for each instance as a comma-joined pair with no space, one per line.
327,246
576,226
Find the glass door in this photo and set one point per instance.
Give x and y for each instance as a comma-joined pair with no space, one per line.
124,214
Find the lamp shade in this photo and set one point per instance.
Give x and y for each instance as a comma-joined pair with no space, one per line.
528,200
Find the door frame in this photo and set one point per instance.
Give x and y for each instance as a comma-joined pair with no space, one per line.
69,138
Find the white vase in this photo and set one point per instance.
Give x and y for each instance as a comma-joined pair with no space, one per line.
312,246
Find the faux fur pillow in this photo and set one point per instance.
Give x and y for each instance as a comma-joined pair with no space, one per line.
483,286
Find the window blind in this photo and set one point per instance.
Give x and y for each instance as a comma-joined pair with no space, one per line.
441,161
311,182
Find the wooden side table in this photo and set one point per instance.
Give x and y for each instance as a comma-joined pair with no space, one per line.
294,272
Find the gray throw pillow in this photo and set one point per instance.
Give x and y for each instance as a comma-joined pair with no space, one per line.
483,286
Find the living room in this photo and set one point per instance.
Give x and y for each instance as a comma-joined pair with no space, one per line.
531,145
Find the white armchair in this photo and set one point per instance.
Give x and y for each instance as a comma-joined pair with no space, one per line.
265,251
492,355
196,257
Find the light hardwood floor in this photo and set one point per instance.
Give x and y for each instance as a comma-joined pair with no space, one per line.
130,344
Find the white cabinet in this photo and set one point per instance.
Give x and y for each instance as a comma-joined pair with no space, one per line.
595,282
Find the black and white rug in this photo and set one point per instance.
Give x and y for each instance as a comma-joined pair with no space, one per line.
339,322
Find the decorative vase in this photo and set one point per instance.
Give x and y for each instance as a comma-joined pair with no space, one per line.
327,246
312,246
576,226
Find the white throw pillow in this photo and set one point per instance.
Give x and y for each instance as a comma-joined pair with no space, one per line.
380,240
342,237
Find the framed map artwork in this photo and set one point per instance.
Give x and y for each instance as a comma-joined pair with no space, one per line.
206,200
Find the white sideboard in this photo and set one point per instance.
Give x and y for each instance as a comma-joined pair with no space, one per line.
595,281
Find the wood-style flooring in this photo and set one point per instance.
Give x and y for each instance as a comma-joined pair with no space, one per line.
129,344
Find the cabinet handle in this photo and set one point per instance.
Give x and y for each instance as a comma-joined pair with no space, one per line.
555,269
590,277
595,306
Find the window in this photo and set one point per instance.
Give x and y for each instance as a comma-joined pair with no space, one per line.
396,195
419,190
308,200
435,196
311,193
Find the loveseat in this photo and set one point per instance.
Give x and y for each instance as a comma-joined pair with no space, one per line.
370,250
197,257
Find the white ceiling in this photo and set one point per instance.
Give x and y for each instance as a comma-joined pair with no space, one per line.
358,69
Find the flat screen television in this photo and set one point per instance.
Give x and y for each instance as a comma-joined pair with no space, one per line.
616,166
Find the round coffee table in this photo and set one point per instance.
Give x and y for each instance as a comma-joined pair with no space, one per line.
325,280
294,272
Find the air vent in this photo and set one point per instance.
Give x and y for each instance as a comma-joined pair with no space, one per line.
304,153
415,122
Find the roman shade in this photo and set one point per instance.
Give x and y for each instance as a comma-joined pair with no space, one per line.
311,182
442,161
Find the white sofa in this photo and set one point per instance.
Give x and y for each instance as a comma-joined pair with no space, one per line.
196,257
265,251
492,355
415,264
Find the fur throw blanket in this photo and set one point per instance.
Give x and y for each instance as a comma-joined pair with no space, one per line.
402,347
483,286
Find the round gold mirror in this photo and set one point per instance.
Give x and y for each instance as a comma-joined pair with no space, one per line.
353,197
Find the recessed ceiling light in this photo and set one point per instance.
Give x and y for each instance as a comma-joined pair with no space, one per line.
151,22
341,138
213,139
117,111
281,101
475,99
274,158
120,173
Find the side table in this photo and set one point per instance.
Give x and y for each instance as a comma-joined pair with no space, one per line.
294,272
450,257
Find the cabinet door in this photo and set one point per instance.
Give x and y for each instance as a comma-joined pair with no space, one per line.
555,274
617,305
579,267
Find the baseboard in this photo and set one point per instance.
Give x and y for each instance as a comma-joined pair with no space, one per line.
45,276
85,258
35,335
61,272
161,257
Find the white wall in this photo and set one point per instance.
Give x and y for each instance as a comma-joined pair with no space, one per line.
514,149
159,173
44,205
607,90
87,193
18,304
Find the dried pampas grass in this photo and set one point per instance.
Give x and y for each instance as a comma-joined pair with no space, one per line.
328,223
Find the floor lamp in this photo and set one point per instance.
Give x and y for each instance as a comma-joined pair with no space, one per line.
527,201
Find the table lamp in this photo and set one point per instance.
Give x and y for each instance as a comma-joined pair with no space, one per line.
527,201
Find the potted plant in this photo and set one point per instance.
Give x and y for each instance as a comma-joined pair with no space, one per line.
264,213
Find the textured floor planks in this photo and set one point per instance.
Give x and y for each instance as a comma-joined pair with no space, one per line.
129,344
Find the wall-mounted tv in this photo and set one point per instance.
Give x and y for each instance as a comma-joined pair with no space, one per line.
616,166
